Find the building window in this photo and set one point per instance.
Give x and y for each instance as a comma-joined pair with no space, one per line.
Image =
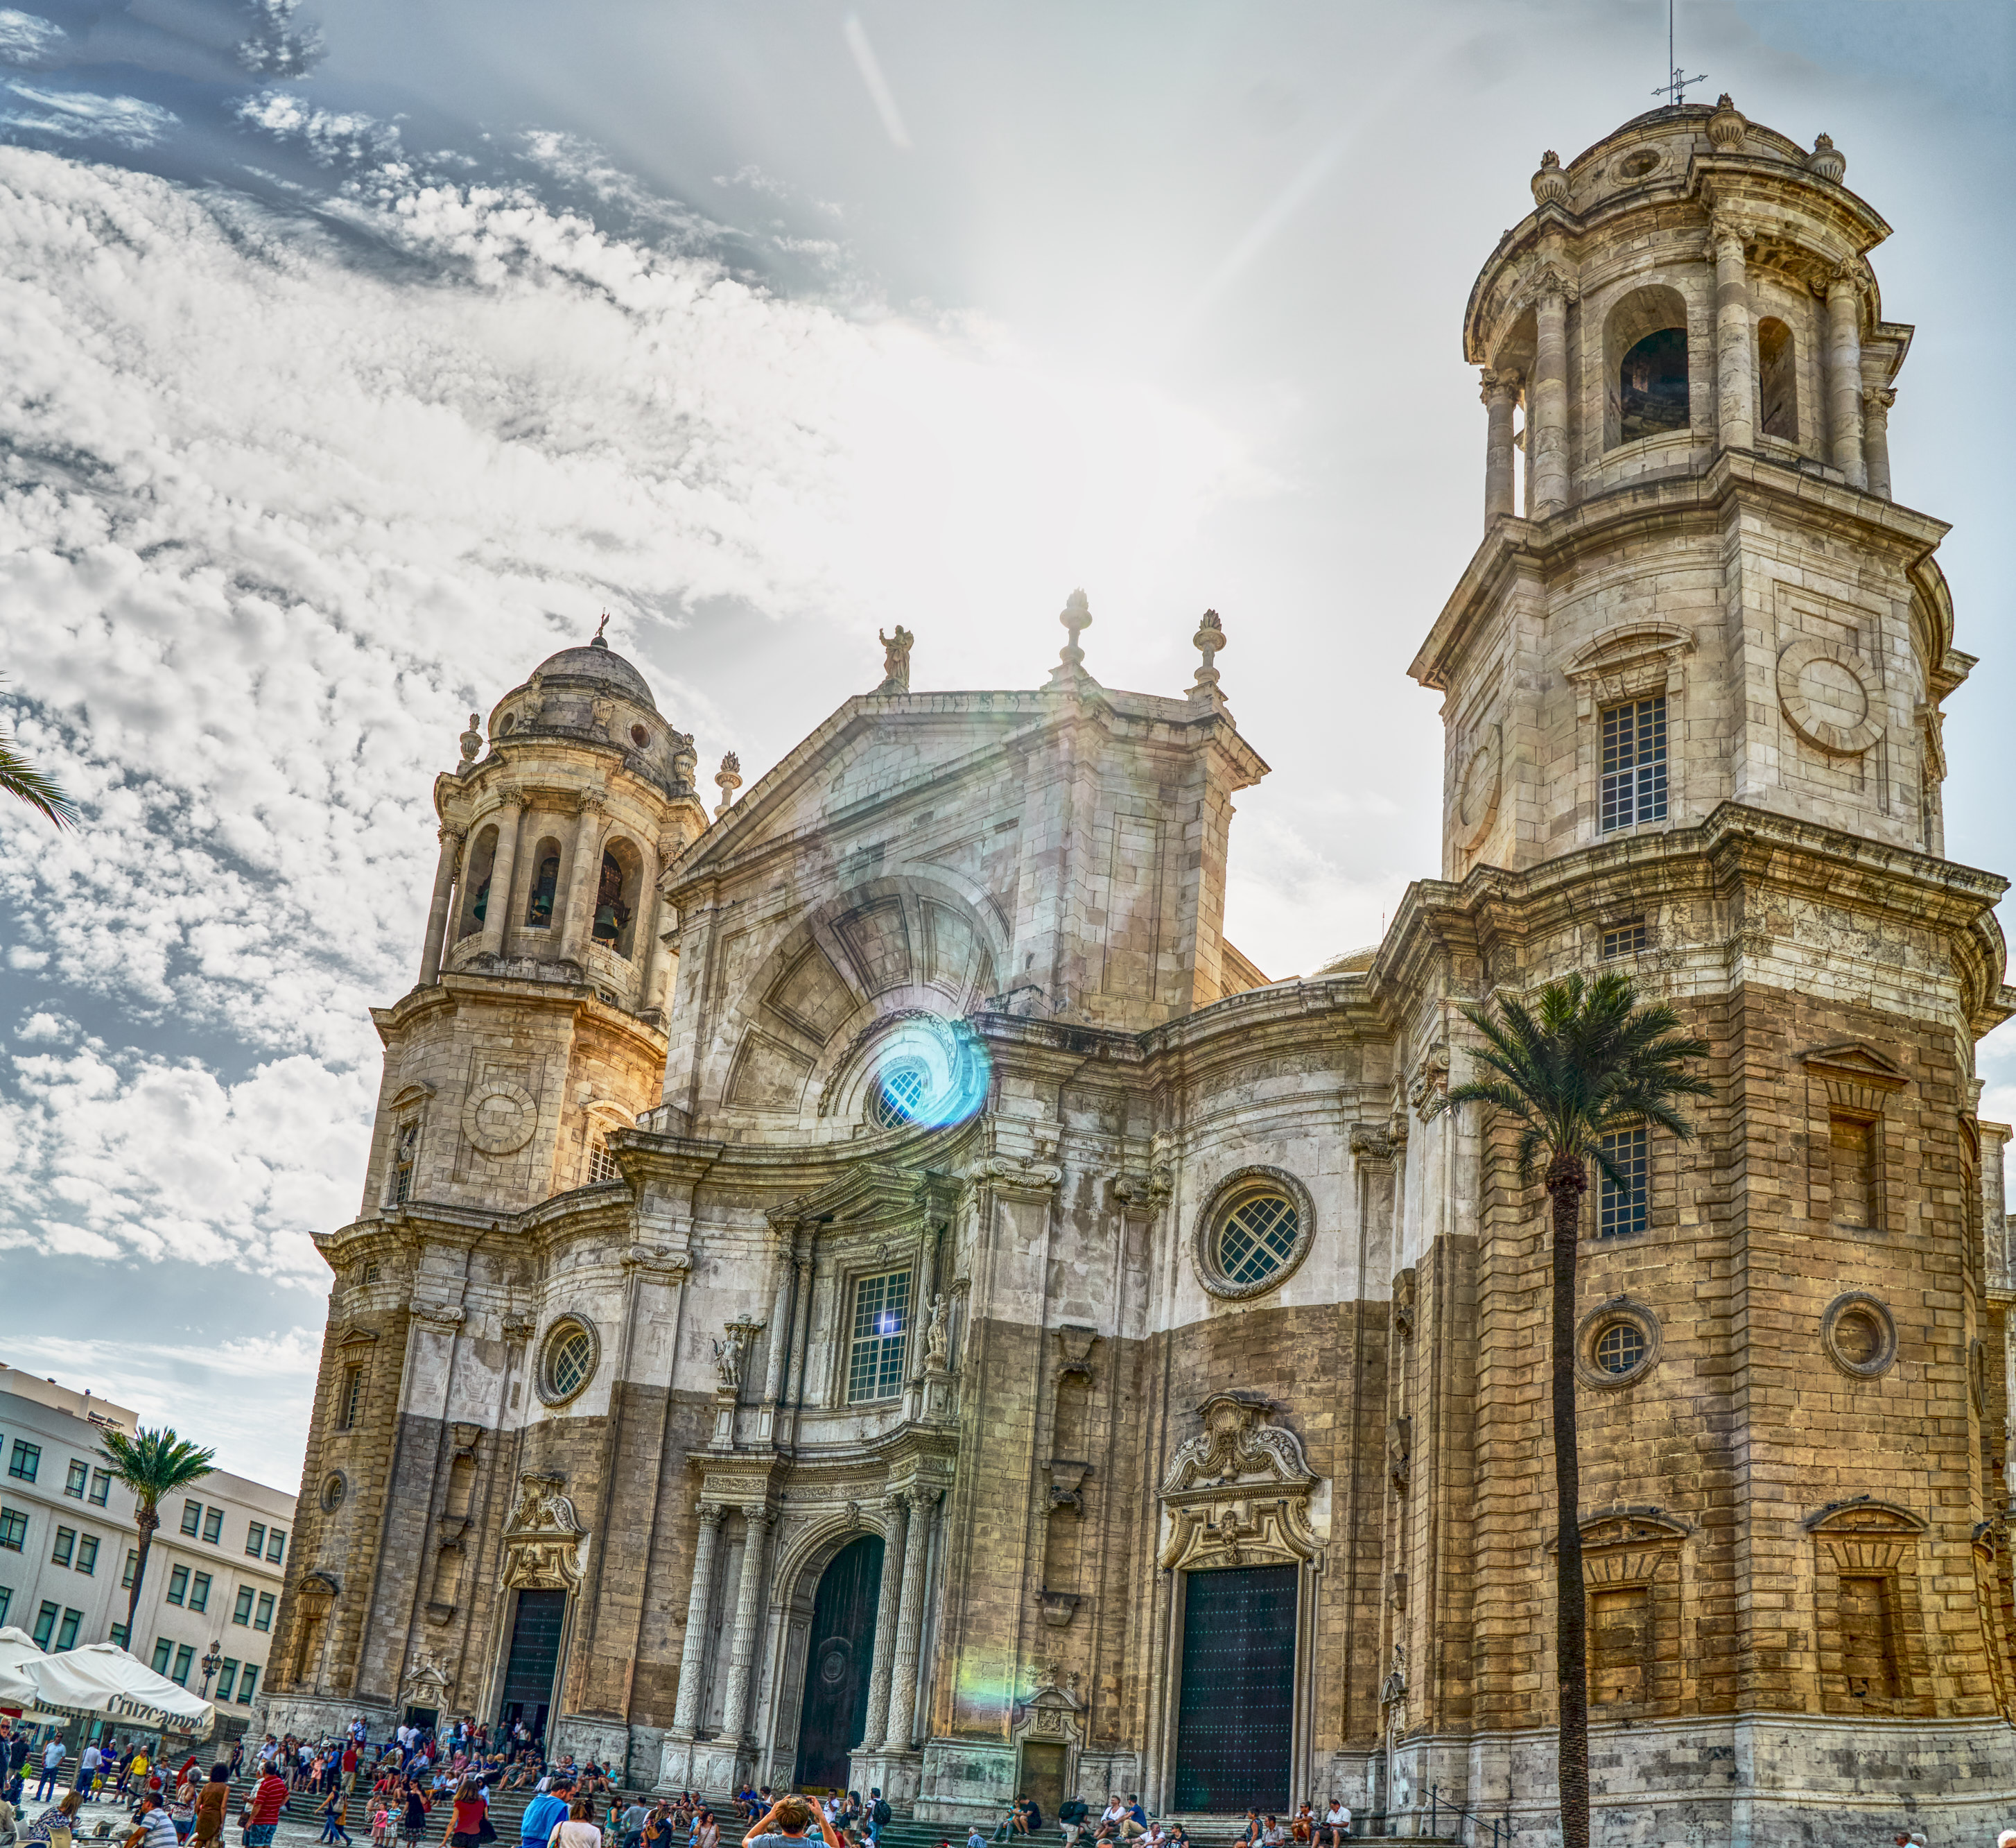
1620,1347
264,1619
132,1566
164,1654
6,1601
1851,1147
1777,380
227,1677
66,1544
13,1529
903,1094
247,1682
1621,1210
77,1480
1652,385
255,1539
101,1486
73,1621
26,1459
881,1326
185,1654
213,1525
119,1635
199,1592
601,1164
192,1518
1624,939
241,1611
1634,763
179,1584
567,1360
350,1402
276,1546
46,1623
87,1553
1257,1238
403,1163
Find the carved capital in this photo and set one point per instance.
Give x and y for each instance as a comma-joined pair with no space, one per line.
658,1262
1012,1176
1145,1192
439,1315
1499,385
1370,1142
711,1513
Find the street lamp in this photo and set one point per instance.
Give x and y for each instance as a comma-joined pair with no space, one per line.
211,1663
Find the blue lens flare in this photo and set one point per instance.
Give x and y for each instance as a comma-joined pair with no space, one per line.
931,1073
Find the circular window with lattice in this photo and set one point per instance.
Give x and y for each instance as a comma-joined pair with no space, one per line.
901,1095
1255,1231
567,1359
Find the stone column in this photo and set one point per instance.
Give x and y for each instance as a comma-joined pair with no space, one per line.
782,1320
887,1601
692,1653
910,1627
583,876
1735,343
1876,439
497,911
1844,378
1547,403
748,1614
1500,393
430,946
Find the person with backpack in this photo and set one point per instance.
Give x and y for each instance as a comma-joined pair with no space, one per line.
878,1815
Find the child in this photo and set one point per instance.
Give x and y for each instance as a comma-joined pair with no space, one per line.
381,1826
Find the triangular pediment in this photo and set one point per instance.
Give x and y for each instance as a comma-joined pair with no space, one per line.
1853,1058
355,1335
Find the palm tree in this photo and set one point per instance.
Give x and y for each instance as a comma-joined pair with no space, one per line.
153,1465
18,777
1586,1062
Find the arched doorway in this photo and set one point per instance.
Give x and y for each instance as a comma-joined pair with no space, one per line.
837,1661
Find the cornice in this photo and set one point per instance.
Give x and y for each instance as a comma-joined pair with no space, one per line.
457,987
1696,498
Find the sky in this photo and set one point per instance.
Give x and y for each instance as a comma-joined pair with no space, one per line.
356,355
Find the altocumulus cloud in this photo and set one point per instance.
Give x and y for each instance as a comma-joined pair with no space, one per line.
282,495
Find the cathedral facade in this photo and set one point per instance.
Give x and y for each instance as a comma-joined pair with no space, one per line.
869,1287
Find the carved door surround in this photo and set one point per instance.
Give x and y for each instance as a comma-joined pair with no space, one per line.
1052,1715
546,1546
1867,1615
1238,1494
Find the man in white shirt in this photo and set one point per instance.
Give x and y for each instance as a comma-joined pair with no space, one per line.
52,1757
1334,1830
87,1768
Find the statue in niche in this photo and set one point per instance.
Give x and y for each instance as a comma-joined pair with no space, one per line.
895,659
937,1343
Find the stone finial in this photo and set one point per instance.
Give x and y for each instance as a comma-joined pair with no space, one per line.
729,777
1550,184
1076,616
472,742
685,760
1726,127
1210,639
895,659
1826,161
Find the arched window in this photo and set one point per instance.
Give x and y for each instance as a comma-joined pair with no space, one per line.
1652,385
546,885
1777,380
616,897
476,883
1645,356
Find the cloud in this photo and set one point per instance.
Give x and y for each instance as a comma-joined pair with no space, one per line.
1308,902
289,495
255,1394
27,37
81,115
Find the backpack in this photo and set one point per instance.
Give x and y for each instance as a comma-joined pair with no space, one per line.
881,1812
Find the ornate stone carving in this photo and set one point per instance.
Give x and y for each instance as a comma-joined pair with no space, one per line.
938,1342
1726,127
1074,1345
499,1117
1400,1449
1209,641
1403,1301
1429,1084
1550,182
1238,1492
1370,1142
428,1683
439,1315
731,1356
1829,693
1145,1190
546,1547
1826,161
1067,1484
1013,1176
660,1263
472,742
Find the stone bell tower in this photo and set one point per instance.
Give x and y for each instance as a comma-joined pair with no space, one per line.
1693,678
1707,593
536,1024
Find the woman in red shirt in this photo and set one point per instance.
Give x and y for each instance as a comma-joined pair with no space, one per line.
465,1824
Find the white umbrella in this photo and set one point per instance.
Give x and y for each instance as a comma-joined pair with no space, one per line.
16,1689
102,1679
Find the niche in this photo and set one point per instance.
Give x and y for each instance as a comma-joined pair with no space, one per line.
1777,380
1872,1654
476,883
1070,1435
546,885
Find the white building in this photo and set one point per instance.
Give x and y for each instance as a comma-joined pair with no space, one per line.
68,1548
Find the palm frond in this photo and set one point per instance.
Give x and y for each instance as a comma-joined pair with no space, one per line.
40,791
